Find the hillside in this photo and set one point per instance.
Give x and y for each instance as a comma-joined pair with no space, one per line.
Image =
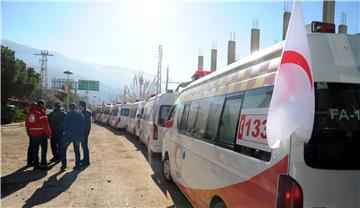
112,78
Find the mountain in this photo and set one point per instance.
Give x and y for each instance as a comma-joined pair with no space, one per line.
112,78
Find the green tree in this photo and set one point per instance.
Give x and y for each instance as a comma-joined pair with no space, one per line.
17,80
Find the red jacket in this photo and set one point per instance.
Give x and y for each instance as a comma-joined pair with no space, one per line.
36,122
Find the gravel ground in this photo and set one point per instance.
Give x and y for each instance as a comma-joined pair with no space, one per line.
119,175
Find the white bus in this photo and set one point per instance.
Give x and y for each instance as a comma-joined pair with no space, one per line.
139,116
106,114
98,113
216,151
155,113
123,116
132,118
114,118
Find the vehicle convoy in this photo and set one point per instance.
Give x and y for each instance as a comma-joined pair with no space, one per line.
132,118
155,113
215,147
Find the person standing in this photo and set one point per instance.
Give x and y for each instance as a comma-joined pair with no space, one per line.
56,120
84,142
29,119
74,128
39,130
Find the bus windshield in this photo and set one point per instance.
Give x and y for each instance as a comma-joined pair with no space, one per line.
335,139
125,112
163,113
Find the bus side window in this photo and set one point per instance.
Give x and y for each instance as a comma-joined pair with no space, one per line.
229,121
255,99
184,117
214,117
179,110
202,118
258,98
192,117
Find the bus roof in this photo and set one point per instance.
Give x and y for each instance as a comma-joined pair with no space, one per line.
335,58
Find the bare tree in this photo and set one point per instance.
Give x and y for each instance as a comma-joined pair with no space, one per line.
140,88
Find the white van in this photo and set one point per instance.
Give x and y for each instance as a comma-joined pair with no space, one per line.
98,112
132,118
155,113
123,116
139,116
216,150
114,119
106,114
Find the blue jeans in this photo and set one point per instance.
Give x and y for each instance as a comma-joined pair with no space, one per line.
64,145
42,141
85,147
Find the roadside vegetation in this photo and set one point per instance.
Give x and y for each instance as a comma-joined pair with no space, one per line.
20,85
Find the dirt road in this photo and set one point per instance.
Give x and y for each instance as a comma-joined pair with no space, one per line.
119,175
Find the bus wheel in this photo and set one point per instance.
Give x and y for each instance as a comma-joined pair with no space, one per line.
166,169
217,203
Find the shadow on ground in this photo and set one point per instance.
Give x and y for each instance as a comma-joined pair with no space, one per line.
20,178
52,188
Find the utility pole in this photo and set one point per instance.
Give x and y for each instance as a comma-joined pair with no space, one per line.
167,79
44,72
158,87
68,73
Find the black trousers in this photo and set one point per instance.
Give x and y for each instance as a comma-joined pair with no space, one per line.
40,140
85,147
55,144
30,158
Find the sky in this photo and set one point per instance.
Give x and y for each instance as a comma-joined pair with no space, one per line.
128,33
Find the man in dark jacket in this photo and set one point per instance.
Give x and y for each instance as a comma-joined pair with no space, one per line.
74,128
84,142
56,120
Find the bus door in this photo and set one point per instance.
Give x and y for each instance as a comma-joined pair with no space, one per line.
178,139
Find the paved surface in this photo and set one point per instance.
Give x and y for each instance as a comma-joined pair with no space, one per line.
120,175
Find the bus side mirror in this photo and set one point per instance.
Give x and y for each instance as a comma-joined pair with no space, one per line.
169,123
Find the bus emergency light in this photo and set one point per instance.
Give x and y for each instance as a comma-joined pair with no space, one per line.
322,27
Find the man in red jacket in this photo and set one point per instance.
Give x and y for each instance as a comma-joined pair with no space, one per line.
30,158
38,127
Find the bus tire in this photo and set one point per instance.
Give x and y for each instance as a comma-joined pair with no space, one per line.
166,169
217,202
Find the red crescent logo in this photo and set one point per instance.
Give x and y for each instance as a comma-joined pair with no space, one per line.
294,57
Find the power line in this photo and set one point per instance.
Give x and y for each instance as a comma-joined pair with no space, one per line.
44,72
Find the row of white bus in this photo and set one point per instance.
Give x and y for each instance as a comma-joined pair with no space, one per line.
212,135
142,119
